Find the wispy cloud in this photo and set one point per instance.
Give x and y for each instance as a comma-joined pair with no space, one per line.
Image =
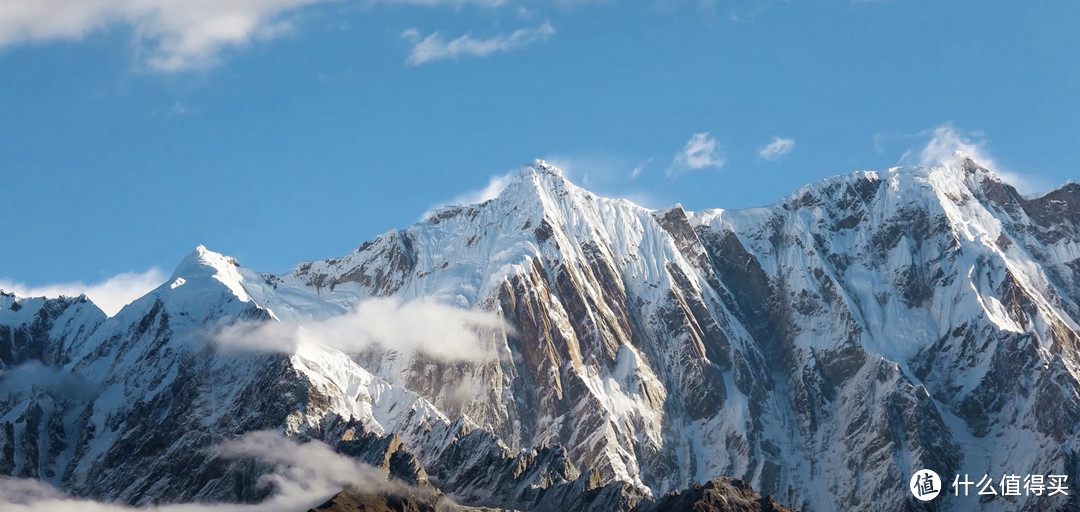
879,142
701,151
419,326
303,476
949,146
433,47
640,167
494,187
33,376
776,149
745,11
605,174
480,3
110,295
178,109
172,35
590,168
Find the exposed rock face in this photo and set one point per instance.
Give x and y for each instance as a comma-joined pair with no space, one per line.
718,495
821,349
354,501
402,500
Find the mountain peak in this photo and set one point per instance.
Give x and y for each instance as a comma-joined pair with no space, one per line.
202,261
543,175
538,186
541,165
7,299
203,265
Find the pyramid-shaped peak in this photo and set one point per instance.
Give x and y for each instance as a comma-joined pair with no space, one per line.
543,166
203,261
542,174
538,178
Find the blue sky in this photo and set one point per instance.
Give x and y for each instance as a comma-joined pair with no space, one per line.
283,130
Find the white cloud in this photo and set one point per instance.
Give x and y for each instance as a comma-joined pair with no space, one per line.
776,149
303,476
949,146
434,47
172,35
701,151
494,187
640,167
110,295
420,326
184,35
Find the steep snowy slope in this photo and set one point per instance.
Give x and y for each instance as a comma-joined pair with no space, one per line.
822,349
883,313
127,408
924,324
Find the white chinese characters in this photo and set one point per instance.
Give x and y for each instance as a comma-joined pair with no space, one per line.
1011,485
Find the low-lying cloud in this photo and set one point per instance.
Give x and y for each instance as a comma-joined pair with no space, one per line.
419,326
110,295
303,476
34,375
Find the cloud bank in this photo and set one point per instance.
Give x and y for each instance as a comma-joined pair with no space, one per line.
304,476
701,151
110,295
420,326
433,47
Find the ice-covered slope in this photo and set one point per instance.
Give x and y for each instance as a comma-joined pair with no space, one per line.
822,348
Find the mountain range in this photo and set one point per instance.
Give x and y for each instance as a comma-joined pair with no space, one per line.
552,349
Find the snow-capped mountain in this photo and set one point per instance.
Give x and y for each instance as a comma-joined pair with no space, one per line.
823,349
